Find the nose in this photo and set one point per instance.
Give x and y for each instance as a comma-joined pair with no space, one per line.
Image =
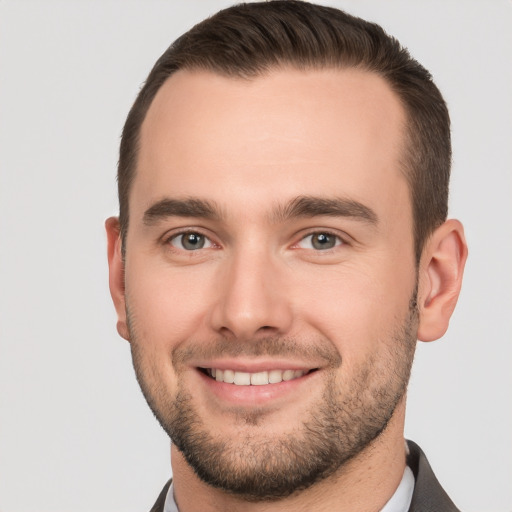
252,297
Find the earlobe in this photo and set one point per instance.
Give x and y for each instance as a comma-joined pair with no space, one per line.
116,274
440,281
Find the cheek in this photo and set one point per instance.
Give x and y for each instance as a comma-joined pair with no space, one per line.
356,308
167,305
165,311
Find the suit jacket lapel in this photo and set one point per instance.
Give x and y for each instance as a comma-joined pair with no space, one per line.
160,502
428,494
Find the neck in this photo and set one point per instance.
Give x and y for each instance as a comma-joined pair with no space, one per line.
366,482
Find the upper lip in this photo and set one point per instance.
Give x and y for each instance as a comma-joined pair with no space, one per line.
255,365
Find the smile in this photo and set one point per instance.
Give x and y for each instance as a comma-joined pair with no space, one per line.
262,378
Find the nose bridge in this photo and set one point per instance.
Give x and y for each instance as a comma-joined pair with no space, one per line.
250,299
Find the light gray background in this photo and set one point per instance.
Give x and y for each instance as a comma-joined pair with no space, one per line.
75,433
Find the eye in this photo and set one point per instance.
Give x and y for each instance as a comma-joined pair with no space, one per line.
190,241
320,241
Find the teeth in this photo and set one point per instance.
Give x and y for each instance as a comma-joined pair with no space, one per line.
275,376
254,379
242,378
229,376
288,375
259,379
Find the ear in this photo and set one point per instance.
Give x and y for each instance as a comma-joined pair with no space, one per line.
116,274
441,269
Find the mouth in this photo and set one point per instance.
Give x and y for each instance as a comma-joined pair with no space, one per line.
261,378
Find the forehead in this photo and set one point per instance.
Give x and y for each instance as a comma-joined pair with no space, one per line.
289,132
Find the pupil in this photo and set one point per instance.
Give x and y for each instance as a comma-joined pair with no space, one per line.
193,241
323,241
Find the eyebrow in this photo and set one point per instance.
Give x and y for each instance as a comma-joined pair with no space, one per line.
199,208
312,206
300,207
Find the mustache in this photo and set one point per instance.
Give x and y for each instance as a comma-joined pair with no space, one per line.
320,352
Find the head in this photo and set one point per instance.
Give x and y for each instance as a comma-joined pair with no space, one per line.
282,242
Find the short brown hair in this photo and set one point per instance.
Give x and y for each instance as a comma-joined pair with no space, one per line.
248,40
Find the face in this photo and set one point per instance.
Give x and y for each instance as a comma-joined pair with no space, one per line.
269,274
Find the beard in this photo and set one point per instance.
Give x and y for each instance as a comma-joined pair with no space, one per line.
349,416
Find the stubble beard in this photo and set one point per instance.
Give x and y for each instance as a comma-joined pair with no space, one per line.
341,426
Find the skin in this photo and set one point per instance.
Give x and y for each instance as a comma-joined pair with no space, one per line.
250,147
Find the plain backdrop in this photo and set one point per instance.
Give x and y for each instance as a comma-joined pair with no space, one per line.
75,432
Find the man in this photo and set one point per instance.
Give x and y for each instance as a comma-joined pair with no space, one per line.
282,244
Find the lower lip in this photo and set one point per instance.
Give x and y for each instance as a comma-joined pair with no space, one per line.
254,395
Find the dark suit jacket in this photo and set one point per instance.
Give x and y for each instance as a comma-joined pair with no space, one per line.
428,494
